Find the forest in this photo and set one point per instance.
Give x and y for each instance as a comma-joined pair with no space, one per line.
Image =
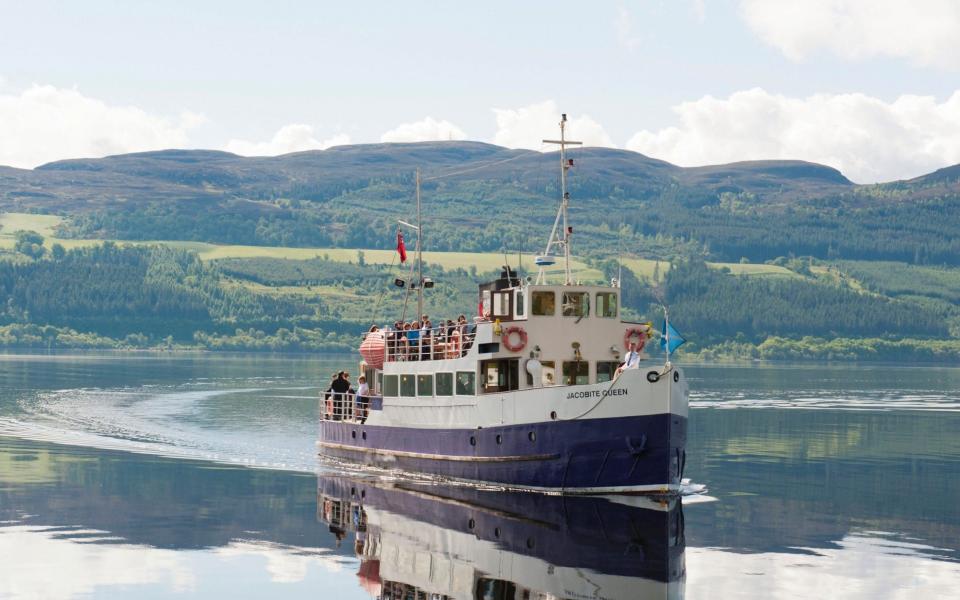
121,296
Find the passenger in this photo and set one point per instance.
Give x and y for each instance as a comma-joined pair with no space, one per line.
454,340
468,332
328,397
413,340
340,390
363,399
400,343
630,361
426,338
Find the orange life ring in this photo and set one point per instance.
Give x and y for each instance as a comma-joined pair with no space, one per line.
642,334
506,338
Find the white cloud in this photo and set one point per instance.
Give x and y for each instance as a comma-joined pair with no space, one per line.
626,36
868,139
926,32
44,123
295,137
426,130
859,567
83,569
526,127
700,10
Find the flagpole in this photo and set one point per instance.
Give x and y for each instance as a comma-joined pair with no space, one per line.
666,327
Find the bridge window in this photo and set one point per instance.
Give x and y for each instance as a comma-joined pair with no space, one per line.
606,370
576,373
607,305
518,305
390,387
501,304
408,386
466,383
544,303
424,385
576,304
500,375
444,384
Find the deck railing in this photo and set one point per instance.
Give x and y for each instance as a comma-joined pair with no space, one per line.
344,406
438,343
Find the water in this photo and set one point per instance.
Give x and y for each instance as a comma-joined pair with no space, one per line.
195,476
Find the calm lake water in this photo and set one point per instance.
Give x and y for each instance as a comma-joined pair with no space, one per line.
195,476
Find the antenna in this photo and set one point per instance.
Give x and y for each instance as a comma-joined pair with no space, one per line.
419,253
555,238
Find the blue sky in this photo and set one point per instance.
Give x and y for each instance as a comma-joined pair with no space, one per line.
868,87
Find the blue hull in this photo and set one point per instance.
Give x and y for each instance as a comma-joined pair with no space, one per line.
627,454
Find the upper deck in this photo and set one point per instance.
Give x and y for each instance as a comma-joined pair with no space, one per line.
529,336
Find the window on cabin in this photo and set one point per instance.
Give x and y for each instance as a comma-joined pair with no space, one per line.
466,383
576,304
444,384
408,386
390,387
606,370
501,304
607,305
424,385
544,303
380,382
500,375
519,307
576,372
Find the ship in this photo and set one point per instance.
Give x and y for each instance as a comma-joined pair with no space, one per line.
546,389
459,543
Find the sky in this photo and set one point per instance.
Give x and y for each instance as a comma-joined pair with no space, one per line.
871,87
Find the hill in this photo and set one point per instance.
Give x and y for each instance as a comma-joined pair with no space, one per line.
485,197
760,259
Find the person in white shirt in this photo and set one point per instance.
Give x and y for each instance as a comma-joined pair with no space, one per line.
631,360
363,399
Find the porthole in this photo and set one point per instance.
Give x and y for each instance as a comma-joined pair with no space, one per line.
353,434
363,493
496,532
553,415
364,435
353,491
499,439
530,543
676,376
473,441
471,524
653,376
532,436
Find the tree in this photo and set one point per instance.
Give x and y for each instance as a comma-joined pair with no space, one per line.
30,243
58,252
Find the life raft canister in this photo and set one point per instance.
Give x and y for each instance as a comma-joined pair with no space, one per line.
373,348
638,332
521,335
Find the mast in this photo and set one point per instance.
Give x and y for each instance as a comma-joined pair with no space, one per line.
419,253
564,238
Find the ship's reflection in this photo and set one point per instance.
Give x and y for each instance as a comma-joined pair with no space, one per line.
438,542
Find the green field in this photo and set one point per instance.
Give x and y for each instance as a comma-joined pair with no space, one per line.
11,223
755,270
644,267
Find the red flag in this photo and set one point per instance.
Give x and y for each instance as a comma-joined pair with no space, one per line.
401,248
